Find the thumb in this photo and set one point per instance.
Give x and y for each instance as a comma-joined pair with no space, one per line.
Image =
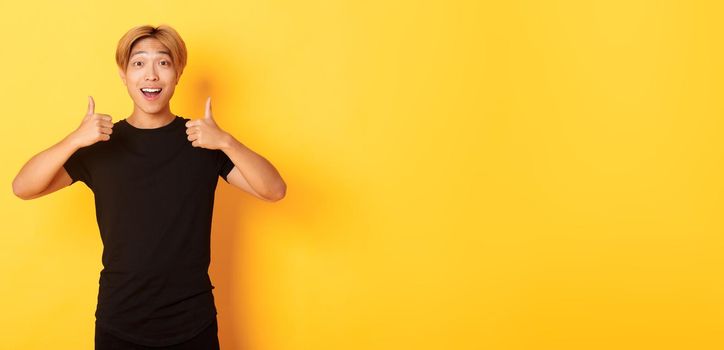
207,114
91,106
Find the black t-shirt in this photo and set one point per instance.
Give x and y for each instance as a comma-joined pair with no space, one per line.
154,198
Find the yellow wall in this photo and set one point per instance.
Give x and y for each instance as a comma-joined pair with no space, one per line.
461,175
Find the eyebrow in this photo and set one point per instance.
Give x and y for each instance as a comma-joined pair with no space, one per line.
137,52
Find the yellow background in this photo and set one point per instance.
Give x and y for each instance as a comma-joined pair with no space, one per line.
461,174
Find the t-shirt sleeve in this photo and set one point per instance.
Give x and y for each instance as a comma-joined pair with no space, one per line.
224,164
76,166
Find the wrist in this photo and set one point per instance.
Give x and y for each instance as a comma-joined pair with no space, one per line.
227,141
70,141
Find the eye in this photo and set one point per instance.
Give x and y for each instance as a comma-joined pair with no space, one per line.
166,62
134,63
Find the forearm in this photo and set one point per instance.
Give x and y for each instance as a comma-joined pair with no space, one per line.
38,172
261,175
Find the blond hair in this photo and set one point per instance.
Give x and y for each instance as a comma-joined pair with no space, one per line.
163,33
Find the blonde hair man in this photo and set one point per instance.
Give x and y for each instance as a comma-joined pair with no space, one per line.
153,176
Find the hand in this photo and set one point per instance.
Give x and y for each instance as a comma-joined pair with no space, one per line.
94,127
204,132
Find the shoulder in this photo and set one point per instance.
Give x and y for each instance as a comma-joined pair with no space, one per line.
91,149
183,119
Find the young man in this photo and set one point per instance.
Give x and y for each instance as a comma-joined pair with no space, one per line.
153,176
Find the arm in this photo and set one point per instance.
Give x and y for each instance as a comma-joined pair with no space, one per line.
252,172
44,173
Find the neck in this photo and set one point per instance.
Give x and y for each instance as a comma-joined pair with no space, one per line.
144,120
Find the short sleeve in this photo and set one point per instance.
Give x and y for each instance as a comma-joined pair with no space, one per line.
224,164
76,166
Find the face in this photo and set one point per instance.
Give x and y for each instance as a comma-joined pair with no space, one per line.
150,66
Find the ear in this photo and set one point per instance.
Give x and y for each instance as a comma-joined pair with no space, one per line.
122,74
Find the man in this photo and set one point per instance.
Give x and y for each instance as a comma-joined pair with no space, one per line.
153,176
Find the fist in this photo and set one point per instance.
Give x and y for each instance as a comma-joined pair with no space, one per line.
205,133
94,127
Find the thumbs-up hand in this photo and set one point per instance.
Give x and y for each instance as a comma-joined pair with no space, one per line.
94,127
204,132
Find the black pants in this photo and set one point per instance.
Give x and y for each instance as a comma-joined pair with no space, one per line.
208,339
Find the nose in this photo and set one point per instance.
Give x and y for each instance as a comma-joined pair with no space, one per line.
151,74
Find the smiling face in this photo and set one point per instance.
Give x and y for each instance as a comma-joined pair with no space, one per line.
150,76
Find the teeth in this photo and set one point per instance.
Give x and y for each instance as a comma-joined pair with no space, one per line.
150,90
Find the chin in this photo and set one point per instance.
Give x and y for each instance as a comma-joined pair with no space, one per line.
151,110
151,107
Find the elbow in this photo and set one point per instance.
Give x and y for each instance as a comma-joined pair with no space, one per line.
277,194
18,192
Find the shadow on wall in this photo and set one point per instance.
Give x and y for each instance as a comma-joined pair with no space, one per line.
213,79
218,76
317,198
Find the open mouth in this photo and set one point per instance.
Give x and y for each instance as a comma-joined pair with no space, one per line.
151,93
